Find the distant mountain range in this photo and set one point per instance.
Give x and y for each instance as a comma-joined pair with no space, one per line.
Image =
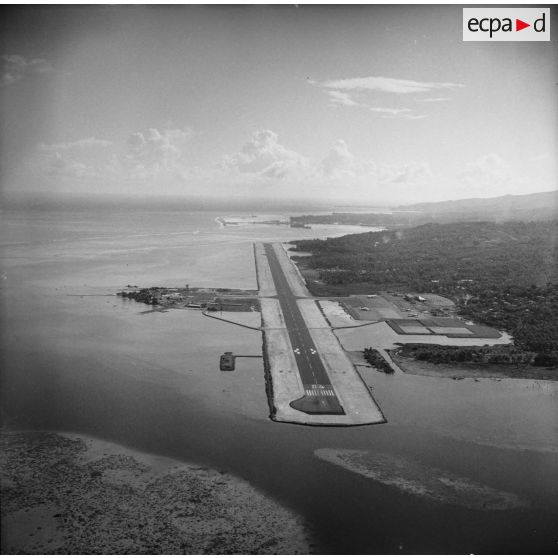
542,205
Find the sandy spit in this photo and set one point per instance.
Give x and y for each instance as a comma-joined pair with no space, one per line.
70,494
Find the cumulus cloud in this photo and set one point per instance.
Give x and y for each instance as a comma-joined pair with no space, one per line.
489,171
152,153
88,157
489,175
364,177
263,162
16,67
412,173
383,84
264,159
145,155
339,162
263,156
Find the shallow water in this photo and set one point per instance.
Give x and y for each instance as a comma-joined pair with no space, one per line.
99,365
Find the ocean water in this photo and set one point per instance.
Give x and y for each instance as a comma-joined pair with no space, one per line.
77,358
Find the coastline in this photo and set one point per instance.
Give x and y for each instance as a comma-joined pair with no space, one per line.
73,494
459,371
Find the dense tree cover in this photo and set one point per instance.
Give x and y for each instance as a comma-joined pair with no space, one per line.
503,275
396,219
374,358
497,354
530,314
440,258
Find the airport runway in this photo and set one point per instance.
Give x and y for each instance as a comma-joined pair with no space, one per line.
320,397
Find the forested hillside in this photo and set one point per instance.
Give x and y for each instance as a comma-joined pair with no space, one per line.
504,275
526,207
542,206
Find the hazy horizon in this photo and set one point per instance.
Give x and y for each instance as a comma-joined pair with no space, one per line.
216,203
372,105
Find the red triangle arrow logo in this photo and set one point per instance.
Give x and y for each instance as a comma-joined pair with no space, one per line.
519,25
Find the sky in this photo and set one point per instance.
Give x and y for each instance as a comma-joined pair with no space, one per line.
363,104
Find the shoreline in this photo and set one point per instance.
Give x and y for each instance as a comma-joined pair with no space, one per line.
73,494
457,372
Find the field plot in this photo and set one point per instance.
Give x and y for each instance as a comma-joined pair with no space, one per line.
448,327
416,330
370,307
452,331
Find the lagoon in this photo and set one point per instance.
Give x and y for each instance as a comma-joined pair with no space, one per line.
100,366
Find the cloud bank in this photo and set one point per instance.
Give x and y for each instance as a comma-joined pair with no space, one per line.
268,166
487,173
149,155
16,67
158,161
